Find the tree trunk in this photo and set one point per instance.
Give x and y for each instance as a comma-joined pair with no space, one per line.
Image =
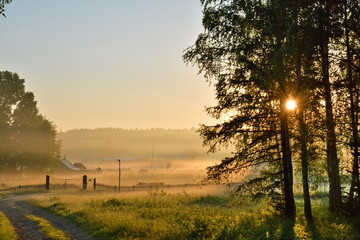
331,152
290,209
354,188
302,89
304,167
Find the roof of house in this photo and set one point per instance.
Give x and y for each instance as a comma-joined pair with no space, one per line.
69,165
80,166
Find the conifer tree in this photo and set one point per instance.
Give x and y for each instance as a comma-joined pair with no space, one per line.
243,49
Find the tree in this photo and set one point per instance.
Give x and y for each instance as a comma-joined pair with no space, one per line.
244,49
30,141
261,53
324,27
347,89
302,96
2,6
11,88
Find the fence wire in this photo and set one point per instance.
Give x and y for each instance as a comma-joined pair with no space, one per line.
65,183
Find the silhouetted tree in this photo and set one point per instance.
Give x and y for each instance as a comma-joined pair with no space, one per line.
2,6
347,47
11,89
325,33
30,140
244,49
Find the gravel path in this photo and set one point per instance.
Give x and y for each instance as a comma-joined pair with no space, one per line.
16,210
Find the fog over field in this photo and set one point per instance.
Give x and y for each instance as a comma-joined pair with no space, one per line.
166,156
159,146
169,156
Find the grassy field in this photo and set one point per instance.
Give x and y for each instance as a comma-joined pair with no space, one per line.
7,231
161,215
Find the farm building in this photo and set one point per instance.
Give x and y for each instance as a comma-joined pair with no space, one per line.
66,165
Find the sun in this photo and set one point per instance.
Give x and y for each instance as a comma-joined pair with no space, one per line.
291,104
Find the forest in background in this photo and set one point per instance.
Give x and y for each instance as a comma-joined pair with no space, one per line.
83,145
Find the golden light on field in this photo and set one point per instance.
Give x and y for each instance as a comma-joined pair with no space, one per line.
291,104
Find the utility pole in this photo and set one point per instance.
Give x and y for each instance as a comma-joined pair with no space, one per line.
119,173
152,155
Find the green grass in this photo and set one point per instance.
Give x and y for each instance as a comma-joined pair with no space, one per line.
183,216
7,231
47,229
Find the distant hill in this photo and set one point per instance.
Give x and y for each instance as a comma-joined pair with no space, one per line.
96,144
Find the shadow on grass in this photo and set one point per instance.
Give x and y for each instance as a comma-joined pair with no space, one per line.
287,229
210,200
314,232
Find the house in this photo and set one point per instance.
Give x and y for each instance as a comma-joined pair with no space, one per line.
80,165
66,165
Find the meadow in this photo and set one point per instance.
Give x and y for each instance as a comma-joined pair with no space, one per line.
192,212
158,214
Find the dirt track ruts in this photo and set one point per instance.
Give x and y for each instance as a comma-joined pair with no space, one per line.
16,210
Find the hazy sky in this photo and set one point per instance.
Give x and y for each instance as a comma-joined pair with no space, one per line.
111,63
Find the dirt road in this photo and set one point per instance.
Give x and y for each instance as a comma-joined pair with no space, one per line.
16,210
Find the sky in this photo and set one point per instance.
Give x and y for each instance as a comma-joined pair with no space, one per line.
111,63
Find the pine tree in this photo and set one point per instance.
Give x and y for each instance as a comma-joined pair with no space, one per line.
243,48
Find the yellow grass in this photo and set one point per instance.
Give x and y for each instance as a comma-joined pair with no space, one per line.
7,231
47,229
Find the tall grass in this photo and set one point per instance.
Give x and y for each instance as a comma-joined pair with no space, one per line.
7,231
182,216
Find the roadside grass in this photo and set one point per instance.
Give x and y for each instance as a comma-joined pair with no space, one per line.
160,215
47,229
7,231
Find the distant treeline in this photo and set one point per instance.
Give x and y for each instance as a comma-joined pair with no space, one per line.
100,143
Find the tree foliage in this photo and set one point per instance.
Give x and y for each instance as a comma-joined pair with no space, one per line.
244,49
258,54
28,139
2,6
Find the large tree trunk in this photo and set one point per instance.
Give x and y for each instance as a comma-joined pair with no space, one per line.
290,209
331,152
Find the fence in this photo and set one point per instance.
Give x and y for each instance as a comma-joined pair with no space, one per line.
69,183
104,186
63,183
23,187
84,182
56,183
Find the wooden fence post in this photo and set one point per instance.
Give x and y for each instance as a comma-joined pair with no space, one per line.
47,184
94,183
84,182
